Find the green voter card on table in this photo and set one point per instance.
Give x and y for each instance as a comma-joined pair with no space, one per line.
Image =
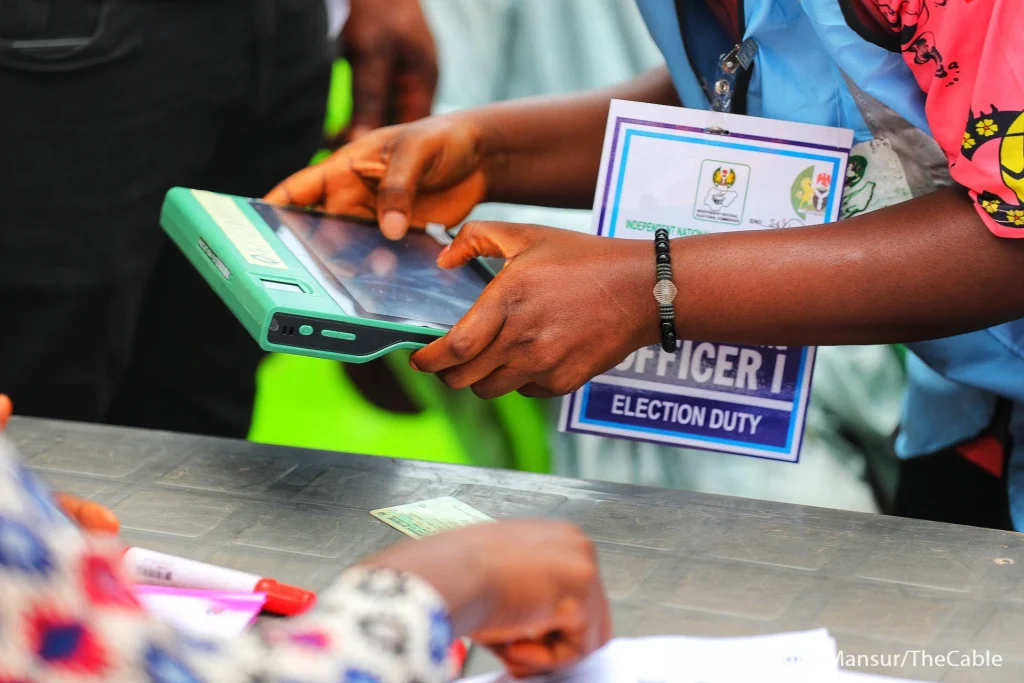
313,284
429,517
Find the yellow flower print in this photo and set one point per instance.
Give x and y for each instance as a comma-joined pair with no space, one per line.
987,128
990,205
968,141
1015,217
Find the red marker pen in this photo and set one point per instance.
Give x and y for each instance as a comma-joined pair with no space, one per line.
459,652
157,569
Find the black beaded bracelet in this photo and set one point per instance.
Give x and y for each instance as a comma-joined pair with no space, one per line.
664,290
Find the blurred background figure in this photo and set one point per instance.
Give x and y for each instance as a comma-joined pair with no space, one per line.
393,59
110,103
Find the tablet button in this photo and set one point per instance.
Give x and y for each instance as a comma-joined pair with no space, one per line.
334,334
306,330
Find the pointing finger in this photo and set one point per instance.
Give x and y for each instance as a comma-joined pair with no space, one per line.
308,187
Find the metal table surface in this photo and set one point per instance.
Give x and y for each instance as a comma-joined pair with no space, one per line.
673,562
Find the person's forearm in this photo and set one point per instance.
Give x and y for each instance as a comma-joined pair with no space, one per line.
546,150
924,269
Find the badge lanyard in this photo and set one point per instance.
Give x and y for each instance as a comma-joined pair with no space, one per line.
731,66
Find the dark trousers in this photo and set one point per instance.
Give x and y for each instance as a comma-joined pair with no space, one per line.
105,105
965,484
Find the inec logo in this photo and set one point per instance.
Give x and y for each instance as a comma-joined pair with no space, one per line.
810,194
721,192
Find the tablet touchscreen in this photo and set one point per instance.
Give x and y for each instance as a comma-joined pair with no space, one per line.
373,277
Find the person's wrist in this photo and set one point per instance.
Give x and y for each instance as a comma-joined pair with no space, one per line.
491,153
645,327
467,592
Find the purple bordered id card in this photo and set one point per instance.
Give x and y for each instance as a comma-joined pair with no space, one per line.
694,172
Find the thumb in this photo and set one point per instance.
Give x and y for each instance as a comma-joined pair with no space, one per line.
488,239
5,410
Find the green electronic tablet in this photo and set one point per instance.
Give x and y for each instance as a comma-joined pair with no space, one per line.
314,284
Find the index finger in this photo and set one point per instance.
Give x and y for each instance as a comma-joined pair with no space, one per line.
467,339
308,187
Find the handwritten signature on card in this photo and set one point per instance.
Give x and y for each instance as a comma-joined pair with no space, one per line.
776,222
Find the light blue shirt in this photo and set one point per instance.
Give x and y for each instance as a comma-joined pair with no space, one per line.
807,57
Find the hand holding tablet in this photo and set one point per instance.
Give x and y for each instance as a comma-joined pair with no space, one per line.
425,172
309,283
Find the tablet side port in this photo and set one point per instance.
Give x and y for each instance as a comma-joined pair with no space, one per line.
338,337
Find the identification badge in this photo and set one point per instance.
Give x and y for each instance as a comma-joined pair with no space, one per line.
694,172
